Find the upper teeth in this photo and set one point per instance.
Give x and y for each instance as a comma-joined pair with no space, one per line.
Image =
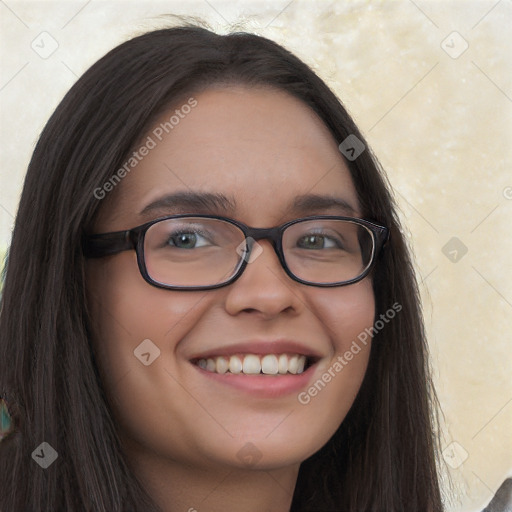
270,364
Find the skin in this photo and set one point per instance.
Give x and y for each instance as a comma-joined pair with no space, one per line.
180,431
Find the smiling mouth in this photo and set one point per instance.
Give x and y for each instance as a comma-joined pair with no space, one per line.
252,364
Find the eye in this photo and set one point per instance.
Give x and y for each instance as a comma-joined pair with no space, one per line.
187,239
318,240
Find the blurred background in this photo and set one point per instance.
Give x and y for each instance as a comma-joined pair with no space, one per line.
429,83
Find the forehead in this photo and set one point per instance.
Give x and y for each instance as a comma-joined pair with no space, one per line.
262,149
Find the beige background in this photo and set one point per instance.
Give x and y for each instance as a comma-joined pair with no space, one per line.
438,119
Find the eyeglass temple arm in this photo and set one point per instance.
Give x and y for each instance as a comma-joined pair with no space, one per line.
385,235
97,246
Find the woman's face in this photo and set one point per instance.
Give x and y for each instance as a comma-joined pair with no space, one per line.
262,149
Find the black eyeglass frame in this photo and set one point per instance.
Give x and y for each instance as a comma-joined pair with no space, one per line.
107,244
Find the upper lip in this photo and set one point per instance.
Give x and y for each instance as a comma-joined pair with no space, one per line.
260,347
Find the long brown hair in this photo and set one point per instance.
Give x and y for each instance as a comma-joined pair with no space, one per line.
382,458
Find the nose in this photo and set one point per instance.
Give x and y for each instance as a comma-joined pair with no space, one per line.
264,286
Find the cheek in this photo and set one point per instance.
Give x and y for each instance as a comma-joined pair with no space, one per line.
126,310
345,314
136,328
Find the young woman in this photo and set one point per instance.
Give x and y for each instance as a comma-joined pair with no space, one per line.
208,303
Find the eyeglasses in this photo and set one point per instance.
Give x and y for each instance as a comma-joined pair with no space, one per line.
202,252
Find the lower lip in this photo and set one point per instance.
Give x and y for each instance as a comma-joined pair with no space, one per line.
266,386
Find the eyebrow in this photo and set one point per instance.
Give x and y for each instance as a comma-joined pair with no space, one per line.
208,202
191,202
313,202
